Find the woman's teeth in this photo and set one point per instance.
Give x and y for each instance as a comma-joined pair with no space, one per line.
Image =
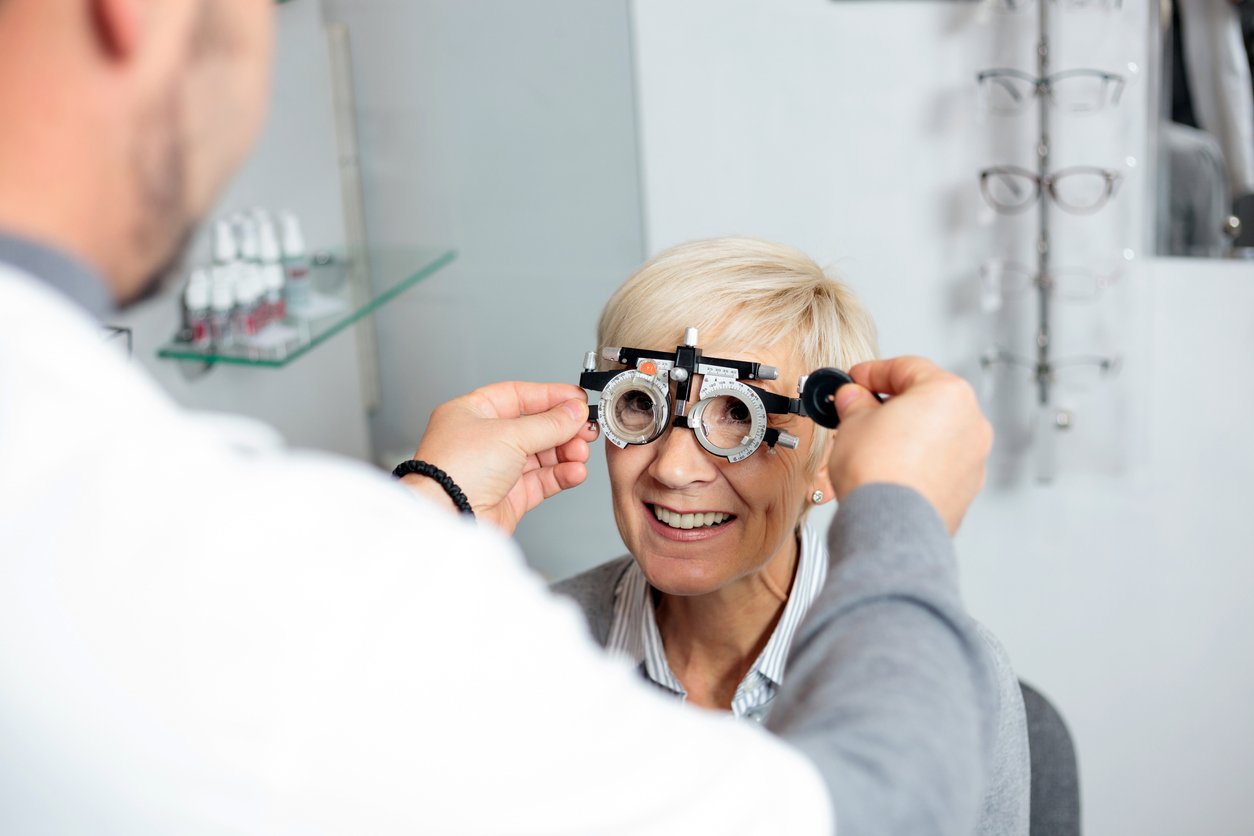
676,520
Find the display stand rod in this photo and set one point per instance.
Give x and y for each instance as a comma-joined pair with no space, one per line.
1044,286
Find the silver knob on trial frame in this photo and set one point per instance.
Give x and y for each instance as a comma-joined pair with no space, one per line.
690,336
786,440
590,361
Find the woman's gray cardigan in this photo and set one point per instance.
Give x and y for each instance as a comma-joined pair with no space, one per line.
906,705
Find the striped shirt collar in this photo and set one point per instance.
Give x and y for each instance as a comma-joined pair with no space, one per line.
634,631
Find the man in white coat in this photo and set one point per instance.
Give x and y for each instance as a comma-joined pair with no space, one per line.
362,659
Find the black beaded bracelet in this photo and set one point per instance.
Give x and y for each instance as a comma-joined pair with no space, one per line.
442,479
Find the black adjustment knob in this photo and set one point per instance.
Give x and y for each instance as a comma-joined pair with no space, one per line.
818,395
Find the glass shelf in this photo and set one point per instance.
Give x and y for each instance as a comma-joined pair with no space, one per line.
392,272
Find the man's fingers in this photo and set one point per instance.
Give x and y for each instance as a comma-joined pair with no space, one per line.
547,482
550,429
513,398
892,377
575,450
852,399
569,475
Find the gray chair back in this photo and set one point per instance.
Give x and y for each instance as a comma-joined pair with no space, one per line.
1055,774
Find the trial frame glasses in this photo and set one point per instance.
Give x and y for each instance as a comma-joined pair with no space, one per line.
1007,91
1080,189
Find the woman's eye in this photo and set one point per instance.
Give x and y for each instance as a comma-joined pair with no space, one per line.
638,402
728,410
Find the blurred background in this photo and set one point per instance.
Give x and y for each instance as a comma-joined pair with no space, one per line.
499,167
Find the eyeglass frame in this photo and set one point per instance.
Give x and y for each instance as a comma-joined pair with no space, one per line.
1048,279
1016,5
1045,84
1046,184
996,355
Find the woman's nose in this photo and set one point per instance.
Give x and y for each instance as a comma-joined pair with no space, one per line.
680,462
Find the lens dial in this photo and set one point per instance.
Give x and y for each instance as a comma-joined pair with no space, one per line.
634,408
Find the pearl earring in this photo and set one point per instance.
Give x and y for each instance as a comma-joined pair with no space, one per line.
816,497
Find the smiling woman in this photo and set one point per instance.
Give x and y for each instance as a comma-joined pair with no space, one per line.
722,567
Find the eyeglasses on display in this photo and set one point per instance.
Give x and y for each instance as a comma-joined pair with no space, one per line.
1081,189
1002,280
1104,5
1005,91
1080,371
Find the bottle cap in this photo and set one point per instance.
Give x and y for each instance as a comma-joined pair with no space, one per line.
222,293
293,237
246,234
196,296
225,249
268,242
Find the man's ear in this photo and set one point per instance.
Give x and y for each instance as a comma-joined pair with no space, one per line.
117,24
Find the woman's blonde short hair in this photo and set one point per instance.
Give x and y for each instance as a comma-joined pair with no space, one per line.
745,290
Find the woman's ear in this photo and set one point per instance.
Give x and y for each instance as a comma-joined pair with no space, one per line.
117,26
821,481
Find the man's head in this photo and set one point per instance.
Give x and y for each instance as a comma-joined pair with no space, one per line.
123,120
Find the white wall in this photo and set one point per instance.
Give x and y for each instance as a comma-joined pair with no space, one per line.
1123,589
505,130
314,402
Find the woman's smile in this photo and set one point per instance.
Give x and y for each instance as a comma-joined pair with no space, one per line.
686,526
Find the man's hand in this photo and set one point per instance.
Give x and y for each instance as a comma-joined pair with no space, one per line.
930,435
508,446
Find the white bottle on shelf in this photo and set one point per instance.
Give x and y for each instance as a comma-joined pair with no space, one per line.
221,300
248,294
295,264
271,268
247,235
196,308
239,302
225,248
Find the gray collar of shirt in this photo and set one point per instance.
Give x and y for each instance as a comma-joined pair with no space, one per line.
58,270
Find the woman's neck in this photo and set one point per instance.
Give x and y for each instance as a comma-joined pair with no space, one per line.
712,640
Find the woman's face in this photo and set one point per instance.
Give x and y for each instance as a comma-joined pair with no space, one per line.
760,499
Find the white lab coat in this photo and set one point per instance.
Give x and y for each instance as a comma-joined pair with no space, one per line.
201,631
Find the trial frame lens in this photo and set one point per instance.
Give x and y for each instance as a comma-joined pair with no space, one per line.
634,408
729,420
